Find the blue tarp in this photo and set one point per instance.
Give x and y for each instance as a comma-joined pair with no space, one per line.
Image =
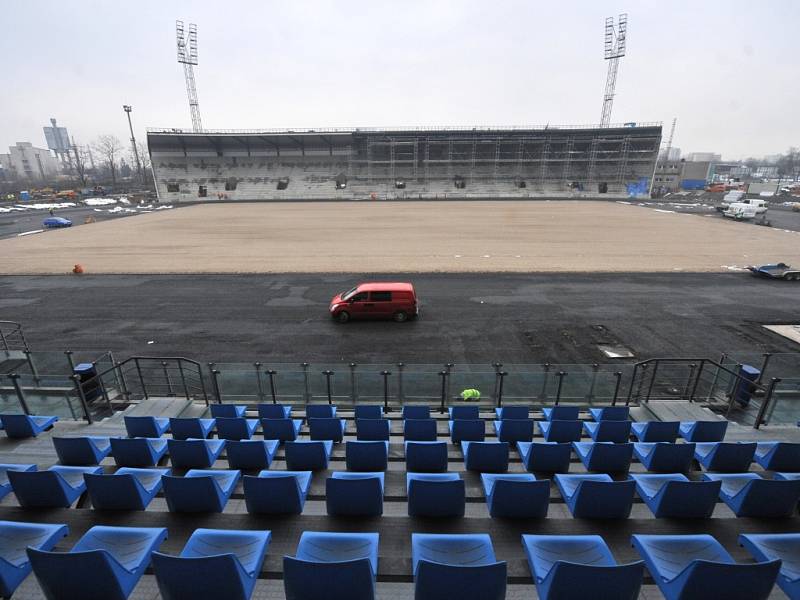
639,188
693,184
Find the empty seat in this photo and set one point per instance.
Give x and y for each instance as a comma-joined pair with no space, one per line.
416,412
105,564
81,451
610,413
194,454
464,412
703,431
15,538
749,495
249,455
366,456
674,496
435,494
185,428
138,452
276,492
560,431
547,457
320,411
608,431
470,430
596,496
25,426
235,428
665,457
579,566
604,457
327,429
274,411
516,495
370,430
419,430
369,411
214,564
57,487
332,566
426,457
656,431
308,455
726,457
5,484
485,457
283,430
149,427
354,494
126,489
778,456
200,490
514,430
778,546
687,567
228,411
787,476
561,413
512,412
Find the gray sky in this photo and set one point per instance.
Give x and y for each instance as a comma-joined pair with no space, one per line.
726,69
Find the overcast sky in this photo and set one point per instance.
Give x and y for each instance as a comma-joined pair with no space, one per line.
726,69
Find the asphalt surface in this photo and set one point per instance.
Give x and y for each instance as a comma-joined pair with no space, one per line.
466,318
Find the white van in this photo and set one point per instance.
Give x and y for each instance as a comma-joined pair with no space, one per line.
740,211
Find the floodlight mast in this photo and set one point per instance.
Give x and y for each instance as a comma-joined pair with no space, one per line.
187,56
614,50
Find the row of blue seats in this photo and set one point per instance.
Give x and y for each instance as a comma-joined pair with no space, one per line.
106,563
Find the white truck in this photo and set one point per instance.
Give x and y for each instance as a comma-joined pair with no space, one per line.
740,211
737,197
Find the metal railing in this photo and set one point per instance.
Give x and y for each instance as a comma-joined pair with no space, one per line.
12,338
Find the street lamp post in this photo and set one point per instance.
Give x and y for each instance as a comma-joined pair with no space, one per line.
128,108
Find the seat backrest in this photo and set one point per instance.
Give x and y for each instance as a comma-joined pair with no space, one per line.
484,582
468,429
372,429
141,427
604,500
369,412
426,456
271,411
770,498
514,412
564,431
325,428
352,579
247,454
218,576
17,426
785,456
486,456
688,498
610,457
464,412
278,429
320,411
115,492
515,430
227,411
420,430
132,452
416,412
272,495
233,428
354,497
709,431
614,413
571,580
75,451
436,498
192,494
731,457
40,489
189,454
661,431
305,456
616,429
671,455
520,499
183,428
366,456
730,581
562,413
66,574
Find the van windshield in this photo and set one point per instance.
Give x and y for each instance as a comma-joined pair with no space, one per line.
349,294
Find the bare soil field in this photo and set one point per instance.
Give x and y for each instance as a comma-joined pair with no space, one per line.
397,237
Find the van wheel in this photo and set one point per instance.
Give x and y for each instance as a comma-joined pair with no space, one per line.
400,317
343,317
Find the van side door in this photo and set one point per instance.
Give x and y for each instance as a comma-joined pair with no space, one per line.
382,305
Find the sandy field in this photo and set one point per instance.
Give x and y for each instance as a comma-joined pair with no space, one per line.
402,237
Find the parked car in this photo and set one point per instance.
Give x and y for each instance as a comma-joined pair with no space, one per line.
56,222
776,271
376,300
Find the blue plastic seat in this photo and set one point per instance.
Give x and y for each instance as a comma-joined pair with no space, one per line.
566,567
283,430
545,457
514,430
608,431
276,492
249,455
25,426
516,495
778,546
674,496
604,457
416,412
596,496
368,411
560,431
611,413
274,411
469,430
460,566
228,411
749,495
725,457
419,430
200,490
5,484
138,452
354,494
485,457
778,456
105,564
687,567
656,431
512,412
81,451
214,564
235,428
665,457
332,566
561,413
15,538
320,411
366,456
327,429
372,430
57,487
464,412
127,489
185,428
308,455
435,494
194,454
149,427
703,431
787,476
426,457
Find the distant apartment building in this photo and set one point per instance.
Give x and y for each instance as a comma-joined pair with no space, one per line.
703,157
25,161
672,176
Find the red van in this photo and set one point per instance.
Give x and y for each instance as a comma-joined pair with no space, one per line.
376,300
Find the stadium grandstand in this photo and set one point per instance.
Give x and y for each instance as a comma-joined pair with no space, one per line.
505,162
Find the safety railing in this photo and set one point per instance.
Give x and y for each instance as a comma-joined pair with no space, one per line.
12,338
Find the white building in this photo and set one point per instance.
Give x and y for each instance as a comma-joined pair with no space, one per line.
24,161
703,157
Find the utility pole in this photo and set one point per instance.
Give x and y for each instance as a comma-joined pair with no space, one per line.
128,108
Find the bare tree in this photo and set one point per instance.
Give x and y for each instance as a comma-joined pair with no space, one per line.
81,157
109,147
789,162
144,158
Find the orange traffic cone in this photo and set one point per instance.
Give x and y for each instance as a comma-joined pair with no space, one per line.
77,269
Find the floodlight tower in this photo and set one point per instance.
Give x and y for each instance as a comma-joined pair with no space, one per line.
187,56
614,50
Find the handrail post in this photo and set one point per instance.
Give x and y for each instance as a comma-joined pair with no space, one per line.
443,375
257,365
141,377
118,374
497,366
449,368
716,376
271,373
14,377
543,394
630,387
102,385
685,394
652,382
560,375
400,397
697,379
3,340
34,372
70,361
353,383
618,377
76,379
764,363
306,394
386,390
202,380
170,391
183,379
328,373
735,379
593,383
501,375
215,381
766,402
